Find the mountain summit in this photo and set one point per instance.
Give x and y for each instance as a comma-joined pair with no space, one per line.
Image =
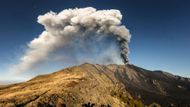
90,85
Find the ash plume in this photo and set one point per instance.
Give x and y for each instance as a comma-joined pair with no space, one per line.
76,36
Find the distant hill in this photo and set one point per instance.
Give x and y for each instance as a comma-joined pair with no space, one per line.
91,85
4,82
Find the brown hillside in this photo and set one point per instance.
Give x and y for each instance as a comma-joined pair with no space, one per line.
103,86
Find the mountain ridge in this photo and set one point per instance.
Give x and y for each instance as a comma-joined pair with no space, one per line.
113,85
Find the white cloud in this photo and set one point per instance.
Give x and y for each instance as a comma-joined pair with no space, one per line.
77,28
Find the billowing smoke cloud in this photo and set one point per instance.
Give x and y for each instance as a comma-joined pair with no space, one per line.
76,36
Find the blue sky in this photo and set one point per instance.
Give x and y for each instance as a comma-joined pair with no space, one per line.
160,29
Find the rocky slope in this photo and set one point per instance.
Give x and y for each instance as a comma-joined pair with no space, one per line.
98,85
158,86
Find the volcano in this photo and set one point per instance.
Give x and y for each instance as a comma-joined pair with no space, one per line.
94,85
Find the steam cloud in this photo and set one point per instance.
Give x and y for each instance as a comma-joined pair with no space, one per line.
76,36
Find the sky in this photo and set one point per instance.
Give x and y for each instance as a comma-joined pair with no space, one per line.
160,30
